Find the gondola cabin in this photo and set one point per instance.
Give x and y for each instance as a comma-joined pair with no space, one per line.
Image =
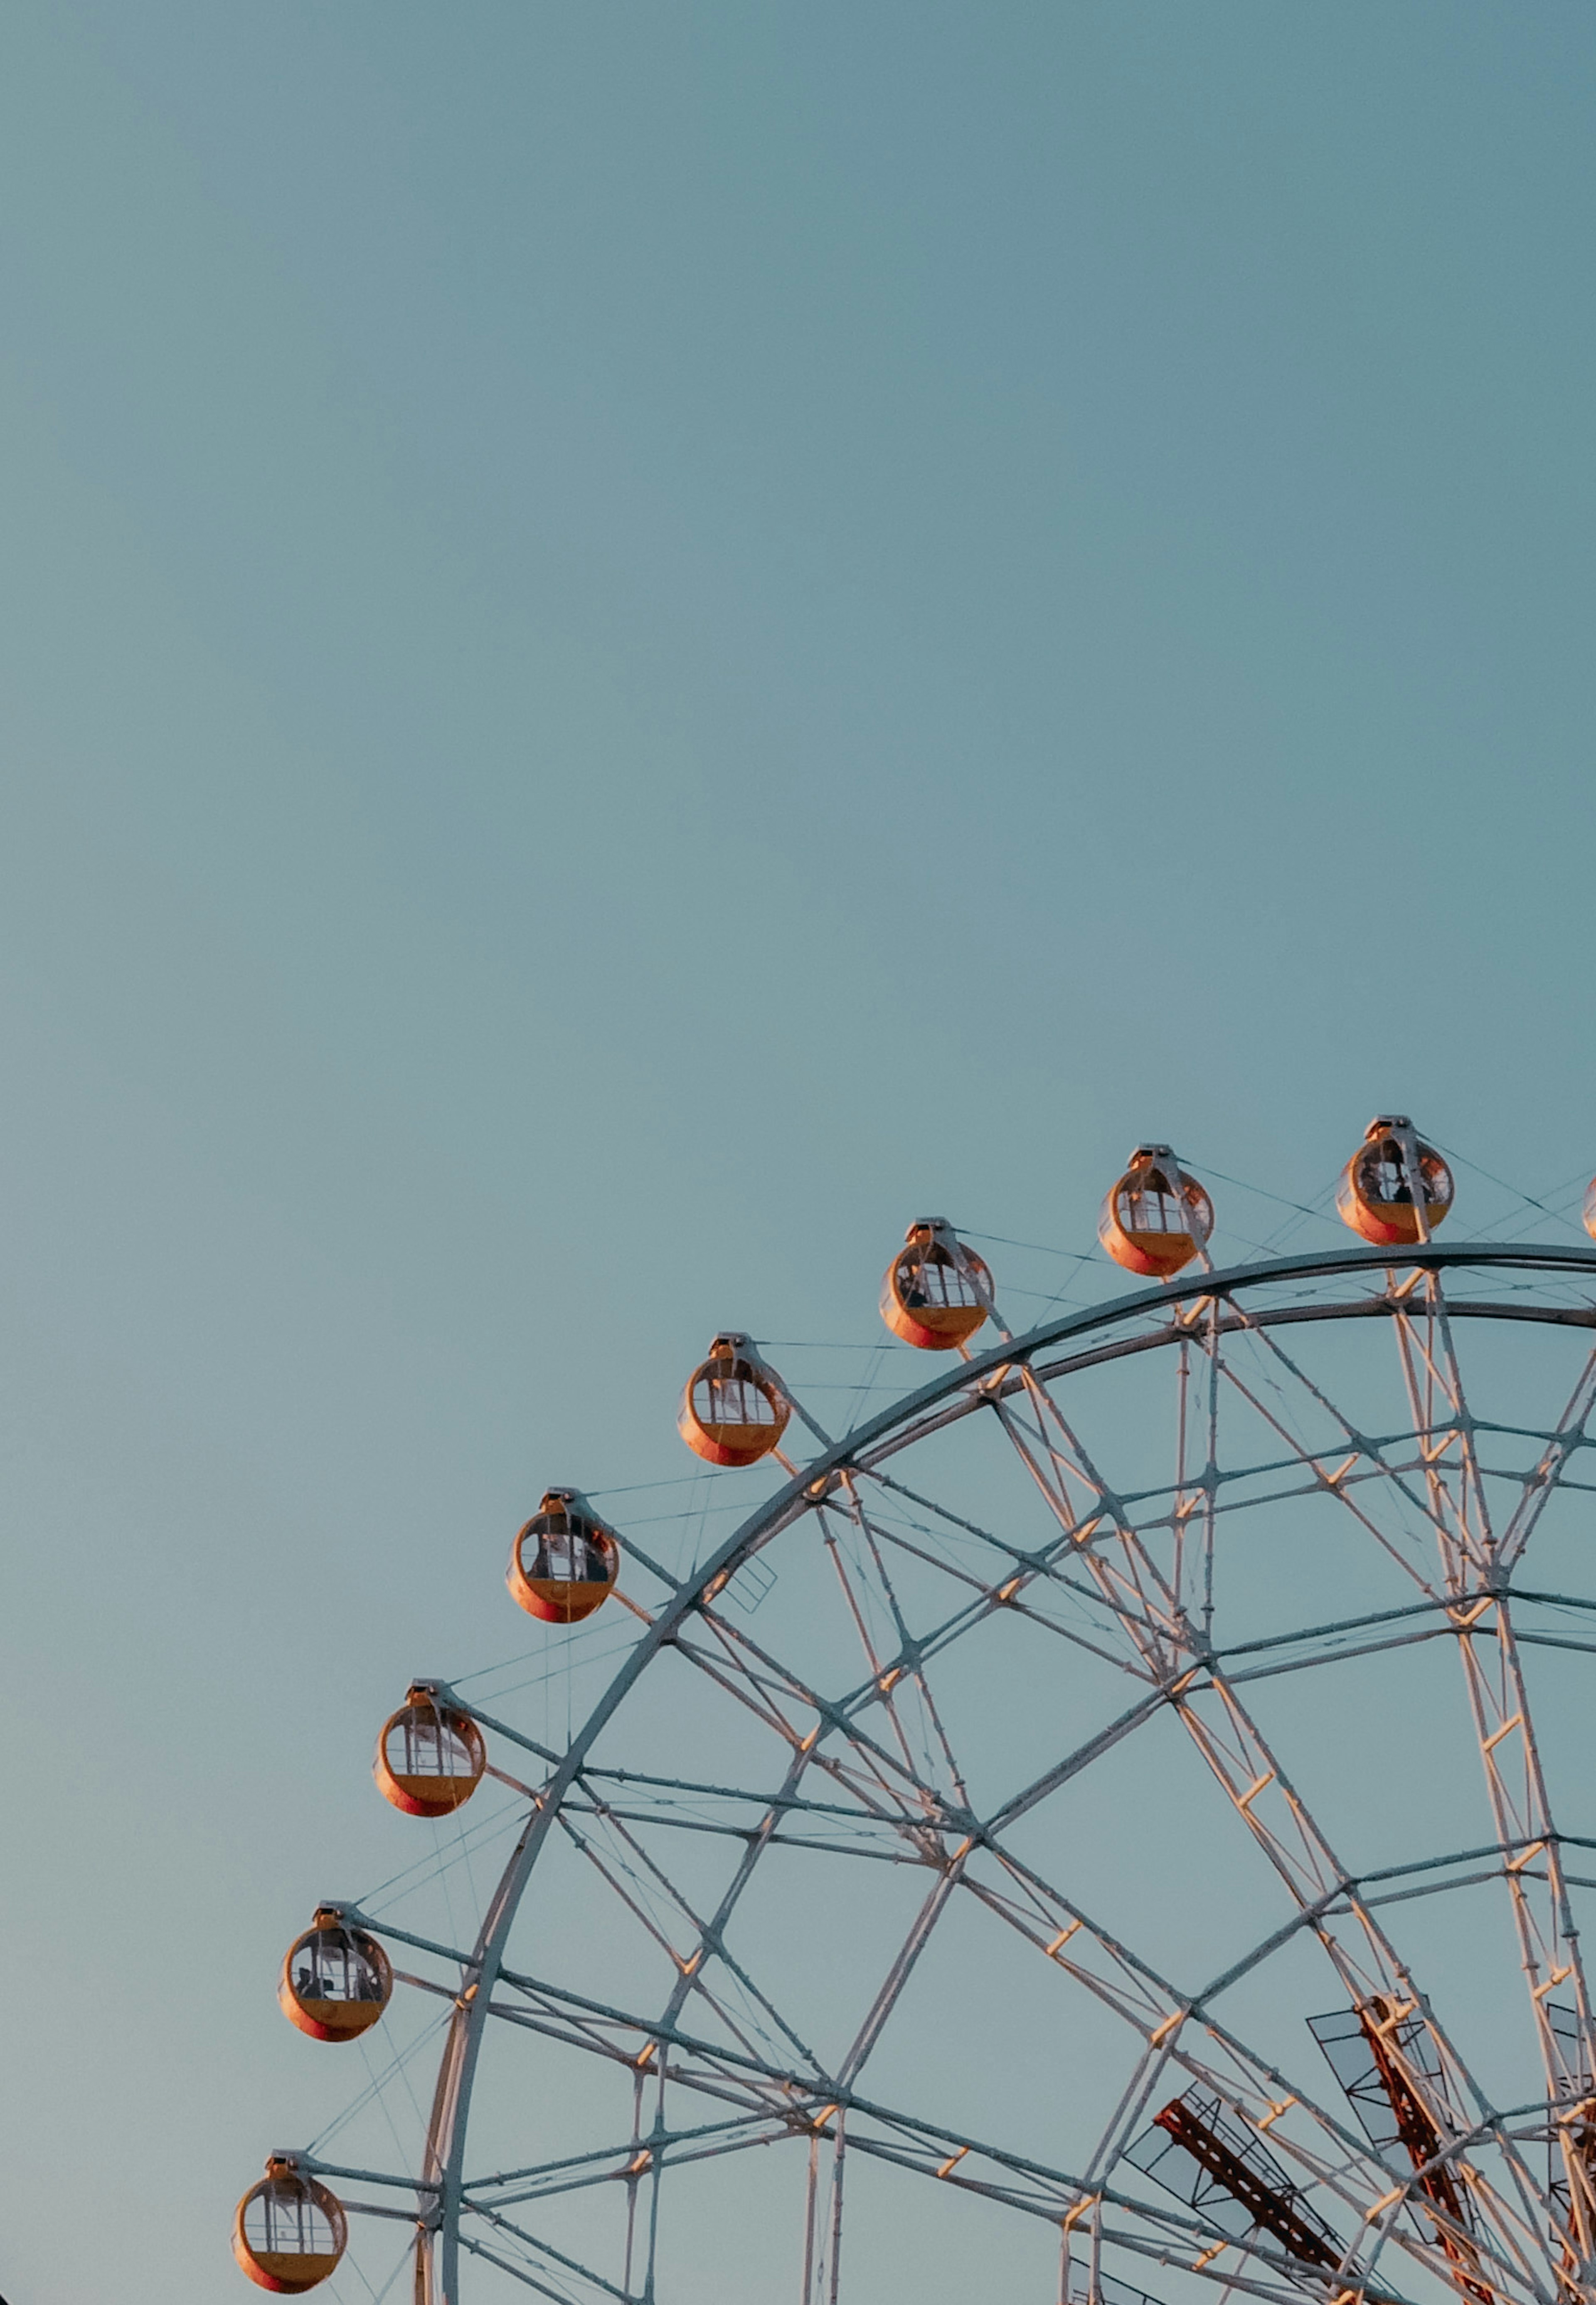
735,1409
1376,1195
336,1981
1157,1218
429,1757
290,2232
1590,1208
564,1560
936,1292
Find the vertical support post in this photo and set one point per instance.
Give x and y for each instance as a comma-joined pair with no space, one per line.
809,2206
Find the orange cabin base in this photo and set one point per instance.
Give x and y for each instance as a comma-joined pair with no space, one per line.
728,1445
329,2020
932,1328
1387,1227
1385,1224
1155,1255
424,1796
285,2273
558,1601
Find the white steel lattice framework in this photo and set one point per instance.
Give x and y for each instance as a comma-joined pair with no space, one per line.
1114,1823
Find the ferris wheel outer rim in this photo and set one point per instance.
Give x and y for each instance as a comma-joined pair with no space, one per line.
441,2189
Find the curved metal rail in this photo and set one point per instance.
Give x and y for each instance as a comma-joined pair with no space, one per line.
1086,1339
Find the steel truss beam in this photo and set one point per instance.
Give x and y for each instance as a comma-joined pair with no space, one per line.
1154,1619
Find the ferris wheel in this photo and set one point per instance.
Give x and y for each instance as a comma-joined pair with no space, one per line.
1112,1828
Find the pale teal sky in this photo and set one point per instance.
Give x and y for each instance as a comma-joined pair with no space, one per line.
636,643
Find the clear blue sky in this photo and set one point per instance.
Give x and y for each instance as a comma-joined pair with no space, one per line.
637,643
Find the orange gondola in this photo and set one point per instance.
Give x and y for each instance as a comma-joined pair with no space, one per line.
429,1757
564,1560
290,2232
337,1981
1590,1208
1157,1218
1375,1195
735,1408
936,1292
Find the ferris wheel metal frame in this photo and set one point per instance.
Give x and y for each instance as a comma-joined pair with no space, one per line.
1484,2245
